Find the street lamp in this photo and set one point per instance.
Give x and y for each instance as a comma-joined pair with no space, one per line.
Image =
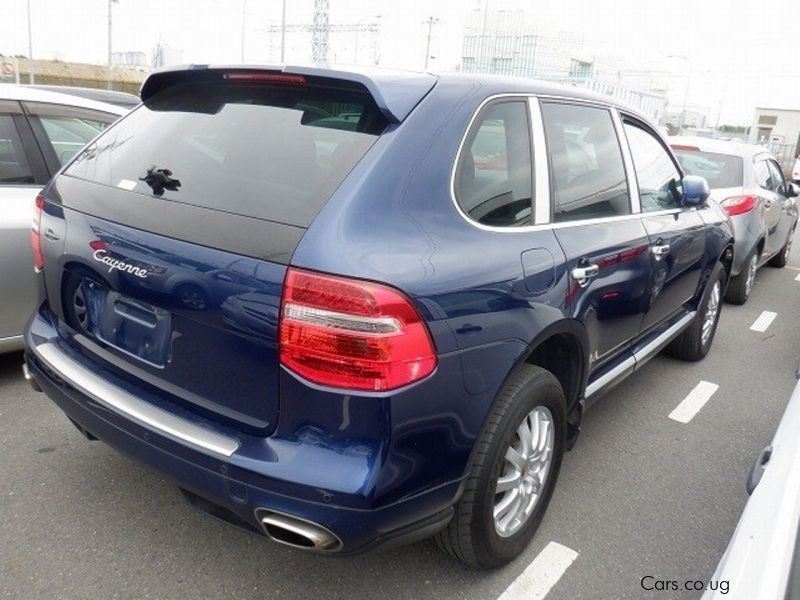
30,49
686,93
110,2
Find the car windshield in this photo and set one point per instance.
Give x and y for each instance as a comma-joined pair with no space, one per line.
720,170
274,152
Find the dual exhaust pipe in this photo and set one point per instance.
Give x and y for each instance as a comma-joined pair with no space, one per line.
298,533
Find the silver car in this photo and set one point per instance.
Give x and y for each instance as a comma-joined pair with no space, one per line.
747,181
762,561
39,131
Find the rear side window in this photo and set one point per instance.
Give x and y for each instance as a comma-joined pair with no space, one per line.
493,178
777,180
270,151
68,129
658,178
762,174
587,174
720,170
14,168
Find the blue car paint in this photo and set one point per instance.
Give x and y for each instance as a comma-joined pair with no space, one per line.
371,466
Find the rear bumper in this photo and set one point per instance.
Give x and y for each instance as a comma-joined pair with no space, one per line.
242,475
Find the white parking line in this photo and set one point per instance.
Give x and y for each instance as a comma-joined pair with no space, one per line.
691,405
542,574
797,278
763,321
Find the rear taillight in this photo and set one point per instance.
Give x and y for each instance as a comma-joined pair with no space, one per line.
352,334
36,238
738,205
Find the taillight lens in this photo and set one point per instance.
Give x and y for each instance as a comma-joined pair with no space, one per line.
352,334
738,205
36,238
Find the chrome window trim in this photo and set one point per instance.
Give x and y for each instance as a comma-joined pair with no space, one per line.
470,124
117,400
539,136
541,165
627,161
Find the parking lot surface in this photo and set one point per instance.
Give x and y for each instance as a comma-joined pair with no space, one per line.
642,494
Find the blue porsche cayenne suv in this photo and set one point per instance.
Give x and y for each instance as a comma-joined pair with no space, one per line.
345,309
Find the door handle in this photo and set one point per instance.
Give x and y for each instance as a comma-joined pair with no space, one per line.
583,274
659,251
51,235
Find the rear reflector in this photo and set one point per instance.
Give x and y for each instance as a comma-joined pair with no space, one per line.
36,237
352,334
738,205
266,77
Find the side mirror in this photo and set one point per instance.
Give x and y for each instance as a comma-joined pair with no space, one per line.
792,190
695,190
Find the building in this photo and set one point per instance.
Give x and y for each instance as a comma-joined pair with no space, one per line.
779,130
129,59
512,42
164,56
694,117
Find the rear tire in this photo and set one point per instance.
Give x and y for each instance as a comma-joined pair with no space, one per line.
695,341
781,258
740,286
474,535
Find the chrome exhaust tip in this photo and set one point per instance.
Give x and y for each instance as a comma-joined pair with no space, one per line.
298,533
29,378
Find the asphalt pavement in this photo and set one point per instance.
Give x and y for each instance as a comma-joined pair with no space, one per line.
641,495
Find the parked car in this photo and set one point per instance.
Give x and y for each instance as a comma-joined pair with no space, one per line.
762,558
439,288
39,131
121,99
748,183
796,171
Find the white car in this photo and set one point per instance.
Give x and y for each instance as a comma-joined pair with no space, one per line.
39,132
796,171
762,561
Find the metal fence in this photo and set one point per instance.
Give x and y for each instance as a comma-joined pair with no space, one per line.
785,153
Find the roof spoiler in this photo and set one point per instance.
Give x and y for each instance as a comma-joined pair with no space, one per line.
396,93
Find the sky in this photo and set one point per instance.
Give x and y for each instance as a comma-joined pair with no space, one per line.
741,54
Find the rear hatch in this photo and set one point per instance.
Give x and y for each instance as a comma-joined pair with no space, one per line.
178,224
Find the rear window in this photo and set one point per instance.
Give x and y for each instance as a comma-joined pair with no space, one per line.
274,152
720,170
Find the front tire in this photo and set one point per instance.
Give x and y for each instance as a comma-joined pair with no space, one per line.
695,341
514,471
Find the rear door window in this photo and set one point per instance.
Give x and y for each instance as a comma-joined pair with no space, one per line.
493,179
270,151
587,175
14,167
777,180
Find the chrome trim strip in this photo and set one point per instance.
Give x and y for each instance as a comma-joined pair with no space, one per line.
638,358
663,339
627,160
541,165
626,365
123,403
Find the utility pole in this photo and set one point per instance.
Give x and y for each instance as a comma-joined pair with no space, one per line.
431,21
30,49
682,120
110,73
283,32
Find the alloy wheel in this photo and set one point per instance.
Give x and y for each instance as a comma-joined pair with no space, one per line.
526,466
712,309
752,267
